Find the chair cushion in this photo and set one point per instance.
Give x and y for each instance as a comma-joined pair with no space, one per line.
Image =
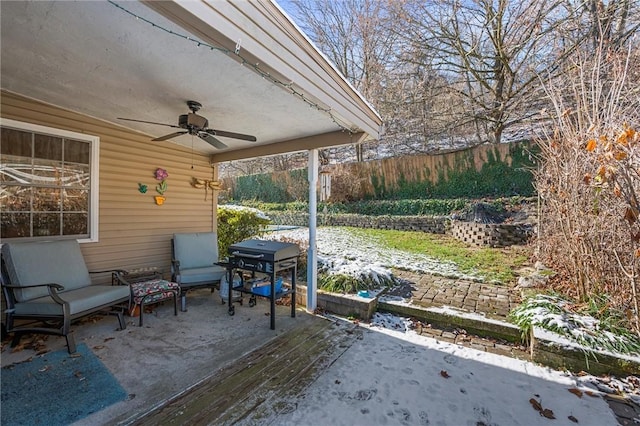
80,300
196,250
153,290
59,262
210,274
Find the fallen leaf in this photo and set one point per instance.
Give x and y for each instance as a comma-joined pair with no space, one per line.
444,374
337,382
576,392
45,368
109,338
536,405
97,347
592,394
573,419
547,413
631,215
620,155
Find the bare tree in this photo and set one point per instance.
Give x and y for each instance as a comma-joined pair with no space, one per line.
605,24
490,51
353,36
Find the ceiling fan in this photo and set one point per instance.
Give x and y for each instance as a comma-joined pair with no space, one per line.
196,125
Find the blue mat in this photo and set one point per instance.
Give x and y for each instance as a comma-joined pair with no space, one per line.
57,389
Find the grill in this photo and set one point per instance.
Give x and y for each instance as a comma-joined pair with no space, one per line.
266,257
263,256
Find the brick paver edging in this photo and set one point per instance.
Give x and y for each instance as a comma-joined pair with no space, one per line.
544,351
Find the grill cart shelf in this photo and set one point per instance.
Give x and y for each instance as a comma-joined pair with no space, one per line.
270,258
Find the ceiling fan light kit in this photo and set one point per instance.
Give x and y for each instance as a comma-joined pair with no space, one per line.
196,125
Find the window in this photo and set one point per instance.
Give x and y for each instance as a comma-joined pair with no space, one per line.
48,183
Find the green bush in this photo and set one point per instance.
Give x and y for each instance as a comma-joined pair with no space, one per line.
350,284
259,187
237,223
270,188
593,326
294,206
409,207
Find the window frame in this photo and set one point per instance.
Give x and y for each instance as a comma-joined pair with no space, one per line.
94,172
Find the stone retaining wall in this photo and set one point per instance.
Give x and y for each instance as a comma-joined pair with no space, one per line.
490,234
480,234
430,224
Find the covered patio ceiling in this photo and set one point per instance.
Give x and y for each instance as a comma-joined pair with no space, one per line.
247,64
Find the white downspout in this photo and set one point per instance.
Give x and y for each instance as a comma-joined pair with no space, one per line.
312,254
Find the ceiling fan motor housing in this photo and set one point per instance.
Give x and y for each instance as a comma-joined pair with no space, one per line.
196,125
192,121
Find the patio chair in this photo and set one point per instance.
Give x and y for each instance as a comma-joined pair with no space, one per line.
193,262
47,285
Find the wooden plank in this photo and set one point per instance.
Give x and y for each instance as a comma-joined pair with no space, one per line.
260,383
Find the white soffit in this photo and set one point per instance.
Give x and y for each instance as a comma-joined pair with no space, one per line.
98,59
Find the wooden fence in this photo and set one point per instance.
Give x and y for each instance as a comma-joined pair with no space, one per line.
355,181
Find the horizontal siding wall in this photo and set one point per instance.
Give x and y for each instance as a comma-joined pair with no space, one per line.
134,232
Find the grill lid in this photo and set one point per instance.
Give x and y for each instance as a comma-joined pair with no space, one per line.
275,249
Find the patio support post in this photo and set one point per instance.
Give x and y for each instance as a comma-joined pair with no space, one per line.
312,254
214,197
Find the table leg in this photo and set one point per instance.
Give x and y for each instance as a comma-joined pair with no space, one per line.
273,301
294,272
232,309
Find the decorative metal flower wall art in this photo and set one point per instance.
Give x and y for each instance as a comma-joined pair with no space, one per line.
161,175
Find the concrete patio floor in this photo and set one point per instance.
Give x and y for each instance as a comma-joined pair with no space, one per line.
170,354
206,367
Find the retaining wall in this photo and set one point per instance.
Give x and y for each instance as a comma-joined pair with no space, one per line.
480,234
490,234
431,224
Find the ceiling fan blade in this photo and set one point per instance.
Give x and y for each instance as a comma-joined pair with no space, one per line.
148,122
232,135
169,136
207,137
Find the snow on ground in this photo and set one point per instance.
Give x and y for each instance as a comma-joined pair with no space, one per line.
395,376
342,251
335,244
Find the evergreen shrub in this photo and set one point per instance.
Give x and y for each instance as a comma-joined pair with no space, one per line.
236,223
